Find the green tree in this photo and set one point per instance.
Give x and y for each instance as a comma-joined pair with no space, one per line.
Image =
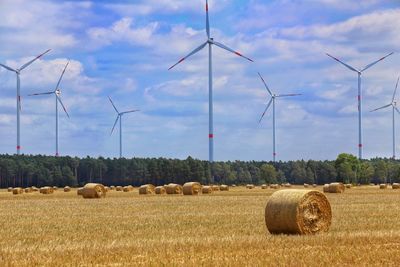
268,174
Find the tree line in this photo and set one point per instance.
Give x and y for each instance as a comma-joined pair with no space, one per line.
38,170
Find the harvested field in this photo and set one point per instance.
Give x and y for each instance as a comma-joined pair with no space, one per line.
176,230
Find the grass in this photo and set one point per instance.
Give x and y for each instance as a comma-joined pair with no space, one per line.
225,228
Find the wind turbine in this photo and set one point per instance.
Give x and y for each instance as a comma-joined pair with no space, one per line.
210,41
119,117
57,94
359,72
393,104
272,100
17,72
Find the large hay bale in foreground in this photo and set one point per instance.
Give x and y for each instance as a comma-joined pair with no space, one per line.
146,189
382,186
224,187
10,189
336,188
93,190
119,188
67,189
46,190
191,188
264,186
173,189
298,211
325,188
207,189
250,186
395,186
160,190
17,191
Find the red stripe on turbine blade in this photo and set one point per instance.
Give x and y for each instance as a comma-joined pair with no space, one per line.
360,145
182,59
359,98
274,154
18,147
237,53
210,136
207,7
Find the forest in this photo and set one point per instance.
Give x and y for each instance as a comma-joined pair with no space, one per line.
39,170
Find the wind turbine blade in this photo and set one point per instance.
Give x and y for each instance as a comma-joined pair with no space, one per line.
395,89
265,84
207,21
373,63
8,68
398,111
112,103
47,93
231,50
341,62
62,74
190,54
33,60
262,116
287,95
130,111
115,123
385,106
65,110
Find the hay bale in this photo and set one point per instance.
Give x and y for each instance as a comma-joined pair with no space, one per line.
17,191
233,185
382,186
79,191
191,188
35,189
336,188
314,185
207,189
46,190
67,189
395,186
264,186
93,190
107,188
119,188
160,190
306,185
224,187
146,189
348,186
250,186
274,186
298,211
128,188
112,187
10,189
28,190
55,188
215,187
173,189
325,188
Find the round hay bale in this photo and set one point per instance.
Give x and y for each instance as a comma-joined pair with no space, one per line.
274,186
128,188
348,186
382,186
10,189
207,189
112,187
146,189
264,186
107,188
93,190
35,189
67,189
298,211
314,185
233,185
306,185
79,191
173,189
325,188
336,188
28,190
372,184
215,187
395,186
55,188
191,188
119,188
287,185
160,190
17,191
46,190
224,187
250,186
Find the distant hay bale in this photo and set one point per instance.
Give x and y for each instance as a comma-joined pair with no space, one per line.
372,184
382,186
250,186
67,189
336,188
35,189
224,187
287,185
298,211
348,186
93,190
395,186
10,189
264,186
55,188
46,190
79,191
191,188
160,190
274,186
206,189
306,185
146,189
215,187
128,188
17,191
107,188
314,185
326,188
28,190
112,187
118,188
233,185
173,189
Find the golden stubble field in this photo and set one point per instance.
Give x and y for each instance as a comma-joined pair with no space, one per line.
223,229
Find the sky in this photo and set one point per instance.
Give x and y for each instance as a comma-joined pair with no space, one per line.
123,49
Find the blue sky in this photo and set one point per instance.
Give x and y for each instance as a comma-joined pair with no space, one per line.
124,48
